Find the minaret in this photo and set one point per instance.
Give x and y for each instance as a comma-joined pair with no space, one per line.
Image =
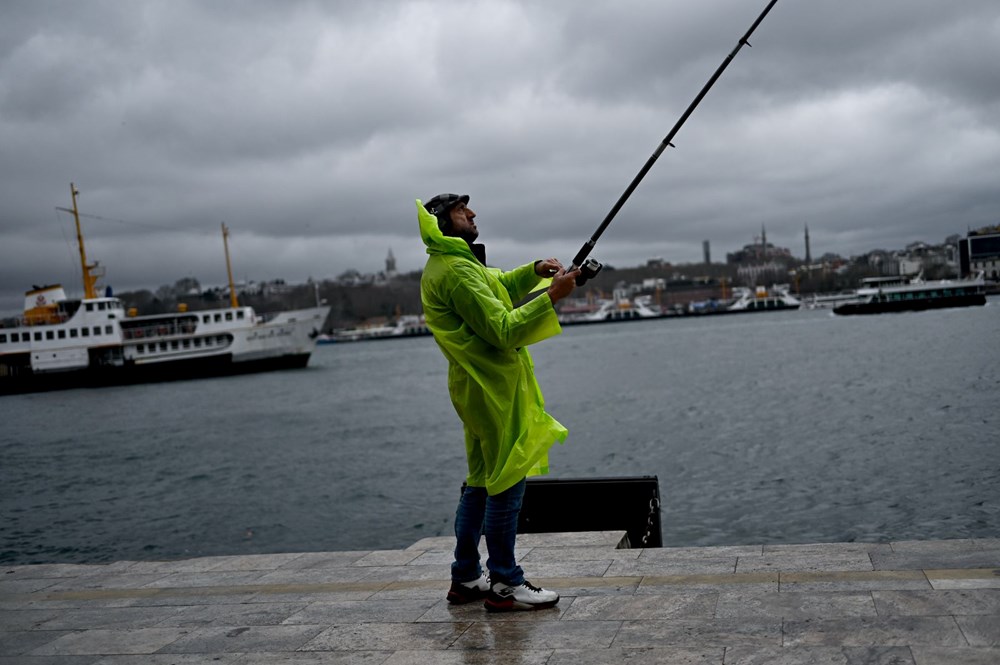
390,264
763,241
808,252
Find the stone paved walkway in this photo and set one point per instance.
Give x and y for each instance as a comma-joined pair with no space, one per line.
935,602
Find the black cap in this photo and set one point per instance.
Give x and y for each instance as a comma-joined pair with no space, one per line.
442,203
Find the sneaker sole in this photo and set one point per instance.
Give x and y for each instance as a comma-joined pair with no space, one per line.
458,599
511,605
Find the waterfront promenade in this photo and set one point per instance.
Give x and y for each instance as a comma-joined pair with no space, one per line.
926,602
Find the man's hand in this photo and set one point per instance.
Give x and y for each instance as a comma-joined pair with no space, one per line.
562,283
547,267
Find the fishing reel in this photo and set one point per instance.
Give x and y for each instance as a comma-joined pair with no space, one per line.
588,270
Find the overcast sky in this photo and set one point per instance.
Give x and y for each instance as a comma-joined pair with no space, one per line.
309,128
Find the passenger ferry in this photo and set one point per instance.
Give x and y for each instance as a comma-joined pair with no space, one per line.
762,299
64,343
879,295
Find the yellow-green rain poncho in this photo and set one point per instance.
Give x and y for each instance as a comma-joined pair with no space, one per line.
469,308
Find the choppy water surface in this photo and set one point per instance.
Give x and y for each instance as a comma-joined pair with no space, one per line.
777,427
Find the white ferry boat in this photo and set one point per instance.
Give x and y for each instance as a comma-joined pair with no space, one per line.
762,299
619,308
64,343
879,295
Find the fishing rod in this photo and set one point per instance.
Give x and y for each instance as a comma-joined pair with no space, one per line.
590,267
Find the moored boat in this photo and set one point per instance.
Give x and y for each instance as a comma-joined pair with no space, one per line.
65,343
881,295
762,299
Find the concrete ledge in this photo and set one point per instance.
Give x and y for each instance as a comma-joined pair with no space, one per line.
908,602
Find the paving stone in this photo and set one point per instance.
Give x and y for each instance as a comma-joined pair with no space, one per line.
881,631
795,562
540,633
923,655
827,548
638,656
11,620
973,558
244,614
631,608
386,636
981,631
106,642
469,657
105,580
49,570
232,639
387,558
313,575
819,656
593,586
16,642
936,603
969,578
686,553
48,660
27,585
443,611
757,582
122,617
561,554
854,580
317,658
699,633
366,611
326,560
944,547
611,539
686,566
795,605
205,579
172,659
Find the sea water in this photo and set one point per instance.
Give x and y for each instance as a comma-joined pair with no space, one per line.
776,427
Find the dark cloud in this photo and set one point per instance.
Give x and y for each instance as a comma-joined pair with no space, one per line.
310,127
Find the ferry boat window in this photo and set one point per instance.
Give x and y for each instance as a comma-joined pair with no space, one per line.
61,334
239,314
100,307
173,344
186,344
85,332
38,337
109,330
90,307
221,339
163,346
206,318
218,318
197,342
229,316
3,338
50,334
140,348
97,330
73,332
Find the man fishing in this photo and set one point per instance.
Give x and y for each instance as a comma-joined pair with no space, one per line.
470,309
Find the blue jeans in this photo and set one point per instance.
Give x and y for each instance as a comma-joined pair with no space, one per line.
496,516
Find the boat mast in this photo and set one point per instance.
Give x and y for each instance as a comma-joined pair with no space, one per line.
229,268
89,270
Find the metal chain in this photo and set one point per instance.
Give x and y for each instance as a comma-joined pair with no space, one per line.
654,509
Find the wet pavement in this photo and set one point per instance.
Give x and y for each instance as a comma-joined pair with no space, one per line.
919,602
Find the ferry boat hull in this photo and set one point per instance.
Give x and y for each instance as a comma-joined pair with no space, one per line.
906,295
131,350
888,307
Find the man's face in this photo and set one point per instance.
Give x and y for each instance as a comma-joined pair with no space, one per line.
462,224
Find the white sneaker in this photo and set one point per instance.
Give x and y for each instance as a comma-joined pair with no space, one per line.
466,592
505,598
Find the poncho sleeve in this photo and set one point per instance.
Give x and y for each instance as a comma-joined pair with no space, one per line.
489,317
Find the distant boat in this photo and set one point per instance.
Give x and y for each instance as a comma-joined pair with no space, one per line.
880,295
407,325
762,299
619,308
66,343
